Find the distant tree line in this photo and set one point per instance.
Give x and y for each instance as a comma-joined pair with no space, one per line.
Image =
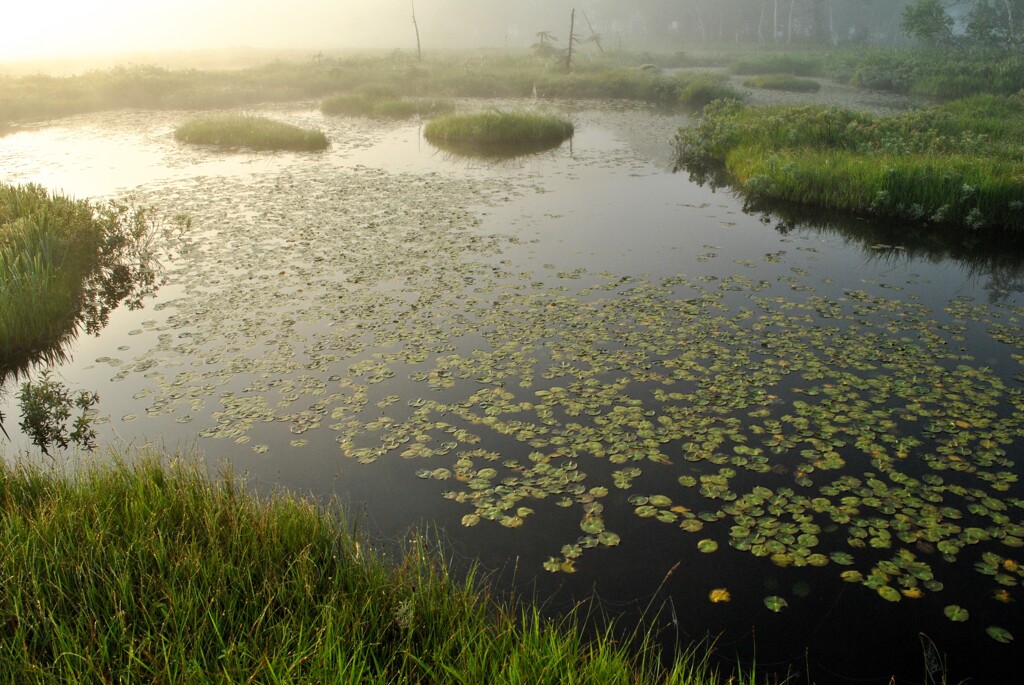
966,23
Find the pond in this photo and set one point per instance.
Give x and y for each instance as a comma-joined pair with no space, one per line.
798,435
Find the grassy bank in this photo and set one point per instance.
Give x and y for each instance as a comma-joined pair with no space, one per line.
497,132
150,87
255,133
377,103
151,573
50,248
960,164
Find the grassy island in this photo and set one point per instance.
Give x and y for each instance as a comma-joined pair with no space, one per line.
498,132
152,572
256,133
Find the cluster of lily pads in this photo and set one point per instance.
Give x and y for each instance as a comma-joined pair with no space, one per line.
809,428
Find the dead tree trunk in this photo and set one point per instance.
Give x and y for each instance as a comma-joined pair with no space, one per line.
419,51
572,27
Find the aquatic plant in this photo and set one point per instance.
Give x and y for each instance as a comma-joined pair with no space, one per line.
153,572
254,132
783,82
498,132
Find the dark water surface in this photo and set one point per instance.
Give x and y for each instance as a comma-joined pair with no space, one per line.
589,374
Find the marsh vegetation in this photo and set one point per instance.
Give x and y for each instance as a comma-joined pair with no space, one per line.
153,572
633,368
498,133
247,131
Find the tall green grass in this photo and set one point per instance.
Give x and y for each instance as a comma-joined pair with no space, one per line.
253,132
55,255
961,164
150,572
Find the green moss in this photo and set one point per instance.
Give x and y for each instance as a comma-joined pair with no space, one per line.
257,133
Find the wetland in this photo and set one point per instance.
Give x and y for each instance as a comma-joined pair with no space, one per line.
797,433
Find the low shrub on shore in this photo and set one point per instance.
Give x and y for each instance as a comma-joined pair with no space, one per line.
153,573
256,133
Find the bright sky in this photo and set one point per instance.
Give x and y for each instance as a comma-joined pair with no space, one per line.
51,28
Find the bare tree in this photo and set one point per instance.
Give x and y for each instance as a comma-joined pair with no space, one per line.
419,51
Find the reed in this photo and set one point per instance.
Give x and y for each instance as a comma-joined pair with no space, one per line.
152,572
255,133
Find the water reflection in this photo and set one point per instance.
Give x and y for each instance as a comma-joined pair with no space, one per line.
125,275
996,258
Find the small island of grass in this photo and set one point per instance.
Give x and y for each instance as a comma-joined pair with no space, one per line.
786,82
498,133
256,133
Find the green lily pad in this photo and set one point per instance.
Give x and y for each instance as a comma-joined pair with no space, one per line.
999,634
956,613
707,545
775,603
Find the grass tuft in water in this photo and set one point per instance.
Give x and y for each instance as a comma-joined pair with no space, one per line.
786,82
151,572
256,133
498,132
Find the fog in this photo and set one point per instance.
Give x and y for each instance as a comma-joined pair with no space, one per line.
69,28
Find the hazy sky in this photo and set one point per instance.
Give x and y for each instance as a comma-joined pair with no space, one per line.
46,28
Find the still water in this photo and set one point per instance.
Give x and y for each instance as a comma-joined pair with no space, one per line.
798,435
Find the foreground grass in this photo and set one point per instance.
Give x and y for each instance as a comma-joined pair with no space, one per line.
256,133
960,164
152,573
498,132
50,245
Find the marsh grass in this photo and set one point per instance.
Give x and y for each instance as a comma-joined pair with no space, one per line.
48,243
783,82
698,90
253,132
794,63
151,87
943,165
151,572
386,106
497,133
